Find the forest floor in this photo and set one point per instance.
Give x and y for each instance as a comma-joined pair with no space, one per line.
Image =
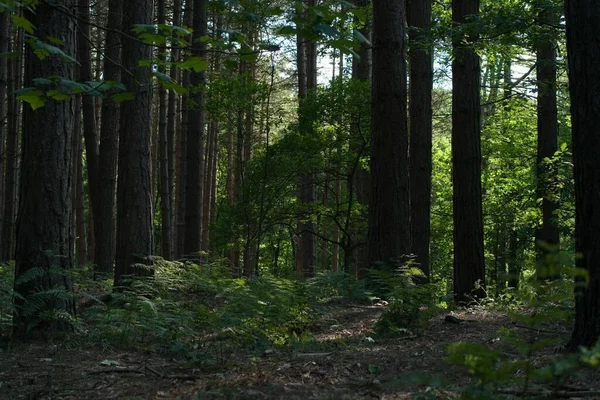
344,363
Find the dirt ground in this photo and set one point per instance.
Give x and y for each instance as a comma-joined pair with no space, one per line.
348,364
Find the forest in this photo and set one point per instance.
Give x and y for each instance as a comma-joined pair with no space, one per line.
304,199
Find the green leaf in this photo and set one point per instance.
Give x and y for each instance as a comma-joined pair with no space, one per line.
360,37
326,29
24,23
195,63
57,95
34,97
121,97
286,30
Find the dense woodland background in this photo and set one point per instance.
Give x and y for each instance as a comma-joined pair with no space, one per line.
423,152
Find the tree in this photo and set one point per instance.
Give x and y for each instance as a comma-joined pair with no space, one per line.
389,228
421,85
469,262
164,152
43,255
105,221
547,236
361,181
583,51
134,205
194,176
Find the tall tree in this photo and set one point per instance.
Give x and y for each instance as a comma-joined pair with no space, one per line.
164,152
307,61
389,229
134,216
7,238
195,137
43,254
105,221
361,181
469,262
547,236
421,124
583,50
4,43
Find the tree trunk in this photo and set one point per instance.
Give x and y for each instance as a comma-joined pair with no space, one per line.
164,152
105,222
4,45
421,114
79,191
389,228
134,197
469,262
307,248
547,236
195,138
43,228
172,137
8,71
583,49
361,180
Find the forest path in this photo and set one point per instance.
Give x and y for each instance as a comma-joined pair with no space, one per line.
344,362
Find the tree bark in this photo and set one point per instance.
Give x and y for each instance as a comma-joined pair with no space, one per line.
164,152
172,134
43,227
389,228
195,138
105,222
583,49
469,262
4,44
547,236
134,197
7,248
421,125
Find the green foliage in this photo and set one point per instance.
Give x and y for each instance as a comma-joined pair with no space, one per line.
410,304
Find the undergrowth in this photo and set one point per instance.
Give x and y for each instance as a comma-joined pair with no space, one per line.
198,312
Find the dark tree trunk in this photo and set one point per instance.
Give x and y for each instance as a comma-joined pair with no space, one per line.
11,156
79,191
583,50
134,197
105,222
421,113
547,236
172,119
389,228
514,271
43,227
4,45
88,107
307,248
469,262
195,138
361,180
164,152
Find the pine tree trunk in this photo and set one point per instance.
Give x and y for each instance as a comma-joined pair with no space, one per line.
4,44
7,241
547,236
421,114
164,151
105,223
361,181
44,229
134,197
583,49
79,191
172,134
469,262
389,228
195,138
